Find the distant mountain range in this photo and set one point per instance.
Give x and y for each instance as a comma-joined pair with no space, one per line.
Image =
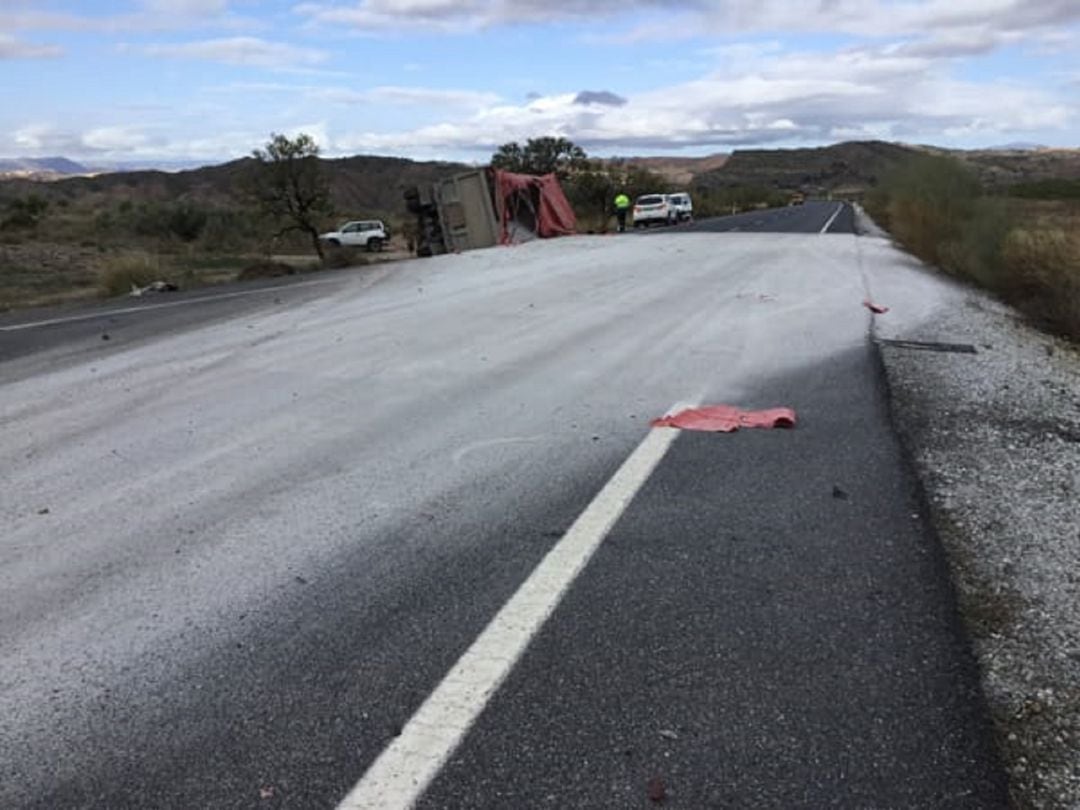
373,186
45,165
55,168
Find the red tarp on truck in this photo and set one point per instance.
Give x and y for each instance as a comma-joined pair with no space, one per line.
529,206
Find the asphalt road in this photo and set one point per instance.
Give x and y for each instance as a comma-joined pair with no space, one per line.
74,334
239,553
813,216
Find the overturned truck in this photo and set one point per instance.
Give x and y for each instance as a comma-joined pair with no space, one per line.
487,207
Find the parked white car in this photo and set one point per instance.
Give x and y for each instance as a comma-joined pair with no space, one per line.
368,233
683,206
652,209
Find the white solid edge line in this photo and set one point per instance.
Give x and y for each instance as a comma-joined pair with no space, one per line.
832,219
405,768
89,316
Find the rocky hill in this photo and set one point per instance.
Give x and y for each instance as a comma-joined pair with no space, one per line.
842,167
853,167
361,186
999,168
679,170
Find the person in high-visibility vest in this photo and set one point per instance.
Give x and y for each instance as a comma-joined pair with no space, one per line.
622,206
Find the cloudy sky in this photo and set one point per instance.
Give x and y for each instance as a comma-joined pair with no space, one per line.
156,80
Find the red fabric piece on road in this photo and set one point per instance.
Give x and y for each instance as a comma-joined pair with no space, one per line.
727,418
877,309
539,199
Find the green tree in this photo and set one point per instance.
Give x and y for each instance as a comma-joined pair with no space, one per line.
290,187
544,155
591,192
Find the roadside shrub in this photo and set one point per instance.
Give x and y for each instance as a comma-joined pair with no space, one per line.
267,269
929,201
718,202
119,273
592,185
1043,275
338,258
935,208
186,221
232,229
974,250
24,213
1056,188
150,220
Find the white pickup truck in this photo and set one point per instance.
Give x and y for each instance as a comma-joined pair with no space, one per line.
368,233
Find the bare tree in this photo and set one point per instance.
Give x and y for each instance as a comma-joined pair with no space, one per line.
290,187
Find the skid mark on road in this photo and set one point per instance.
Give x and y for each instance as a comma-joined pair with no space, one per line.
460,454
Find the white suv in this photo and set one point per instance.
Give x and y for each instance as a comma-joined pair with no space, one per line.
369,233
650,208
683,205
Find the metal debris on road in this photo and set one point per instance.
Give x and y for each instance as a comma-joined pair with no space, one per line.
930,346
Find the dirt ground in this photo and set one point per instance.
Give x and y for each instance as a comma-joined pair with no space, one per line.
45,274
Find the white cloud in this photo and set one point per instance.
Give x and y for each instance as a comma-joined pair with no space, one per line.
425,97
859,92
12,48
46,138
247,51
148,15
382,95
951,20
186,8
115,139
41,137
462,15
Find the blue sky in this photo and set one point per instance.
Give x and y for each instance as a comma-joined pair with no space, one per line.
209,80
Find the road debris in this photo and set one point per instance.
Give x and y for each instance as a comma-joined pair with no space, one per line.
727,419
877,309
152,287
839,494
656,790
668,734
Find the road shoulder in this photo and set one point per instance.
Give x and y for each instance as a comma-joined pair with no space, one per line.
995,438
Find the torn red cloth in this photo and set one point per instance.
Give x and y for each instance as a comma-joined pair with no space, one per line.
877,309
727,418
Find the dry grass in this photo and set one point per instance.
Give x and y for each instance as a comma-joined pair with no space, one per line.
1042,270
1026,251
118,274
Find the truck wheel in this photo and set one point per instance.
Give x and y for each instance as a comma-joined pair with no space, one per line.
374,244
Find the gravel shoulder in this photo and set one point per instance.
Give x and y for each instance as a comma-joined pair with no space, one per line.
995,439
